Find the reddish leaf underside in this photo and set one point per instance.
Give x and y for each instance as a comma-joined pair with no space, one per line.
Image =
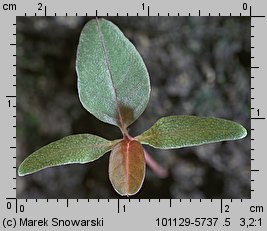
127,167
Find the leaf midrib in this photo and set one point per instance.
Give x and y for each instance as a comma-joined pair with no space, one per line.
106,59
81,146
183,130
127,167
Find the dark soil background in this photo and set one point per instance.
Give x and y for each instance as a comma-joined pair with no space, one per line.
197,65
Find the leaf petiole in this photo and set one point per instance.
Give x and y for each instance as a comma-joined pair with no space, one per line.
156,168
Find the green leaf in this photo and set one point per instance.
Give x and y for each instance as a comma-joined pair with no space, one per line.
113,81
185,131
127,167
72,149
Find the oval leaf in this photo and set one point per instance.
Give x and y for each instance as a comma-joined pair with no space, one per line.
185,131
80,148
113,81
127,167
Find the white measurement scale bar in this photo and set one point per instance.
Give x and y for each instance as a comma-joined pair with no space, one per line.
128,214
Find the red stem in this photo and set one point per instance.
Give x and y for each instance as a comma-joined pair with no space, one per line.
157,169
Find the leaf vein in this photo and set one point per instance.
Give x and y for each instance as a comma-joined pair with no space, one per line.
101,38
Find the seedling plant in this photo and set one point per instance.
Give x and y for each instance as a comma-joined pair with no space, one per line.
114,86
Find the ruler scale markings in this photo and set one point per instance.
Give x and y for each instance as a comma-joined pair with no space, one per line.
170,201
16,205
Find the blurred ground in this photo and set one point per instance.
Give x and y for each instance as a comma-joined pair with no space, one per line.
197,65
